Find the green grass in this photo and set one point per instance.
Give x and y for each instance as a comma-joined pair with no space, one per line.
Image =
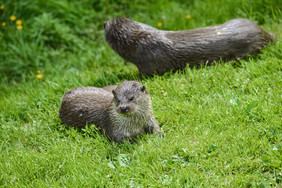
222,123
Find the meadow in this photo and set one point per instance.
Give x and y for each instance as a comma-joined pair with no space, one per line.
222,123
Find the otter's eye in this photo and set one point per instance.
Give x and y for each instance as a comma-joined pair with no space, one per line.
131,98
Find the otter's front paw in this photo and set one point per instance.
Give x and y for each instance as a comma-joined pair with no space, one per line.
160,134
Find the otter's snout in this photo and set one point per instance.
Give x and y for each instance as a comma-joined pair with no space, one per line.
123,109
126,108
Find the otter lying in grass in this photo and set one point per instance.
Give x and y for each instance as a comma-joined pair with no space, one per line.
124,113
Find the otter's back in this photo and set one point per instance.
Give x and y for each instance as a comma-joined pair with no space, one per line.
85,105
234,39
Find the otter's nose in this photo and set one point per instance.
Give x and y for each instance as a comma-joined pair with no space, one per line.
123,109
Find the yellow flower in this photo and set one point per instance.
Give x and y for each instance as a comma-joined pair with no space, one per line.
160,24
188,17
19,27
19,22
4,23
13,18
39,76
218,33
2,7
38,71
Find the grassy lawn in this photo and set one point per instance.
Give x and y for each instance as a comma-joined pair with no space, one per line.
222,123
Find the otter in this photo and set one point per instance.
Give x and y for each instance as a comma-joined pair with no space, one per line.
159,51
122,114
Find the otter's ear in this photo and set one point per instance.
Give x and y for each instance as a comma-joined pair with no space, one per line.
143,88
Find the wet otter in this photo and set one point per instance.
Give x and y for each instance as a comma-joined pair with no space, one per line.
124,113
158,51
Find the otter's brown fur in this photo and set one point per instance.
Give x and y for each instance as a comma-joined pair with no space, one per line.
158,51
124,113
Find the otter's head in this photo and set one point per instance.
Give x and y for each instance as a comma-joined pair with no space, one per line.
123,34
119,32
132,99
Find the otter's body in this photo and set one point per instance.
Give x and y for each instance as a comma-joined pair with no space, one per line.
158,51
123,115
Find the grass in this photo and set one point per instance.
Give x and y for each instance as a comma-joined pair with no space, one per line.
222,123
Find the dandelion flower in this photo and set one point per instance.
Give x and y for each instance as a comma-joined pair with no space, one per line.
13,18
2,7
39,76
19,22
218,33
4,23
19,27
188,17
38,71
160,24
